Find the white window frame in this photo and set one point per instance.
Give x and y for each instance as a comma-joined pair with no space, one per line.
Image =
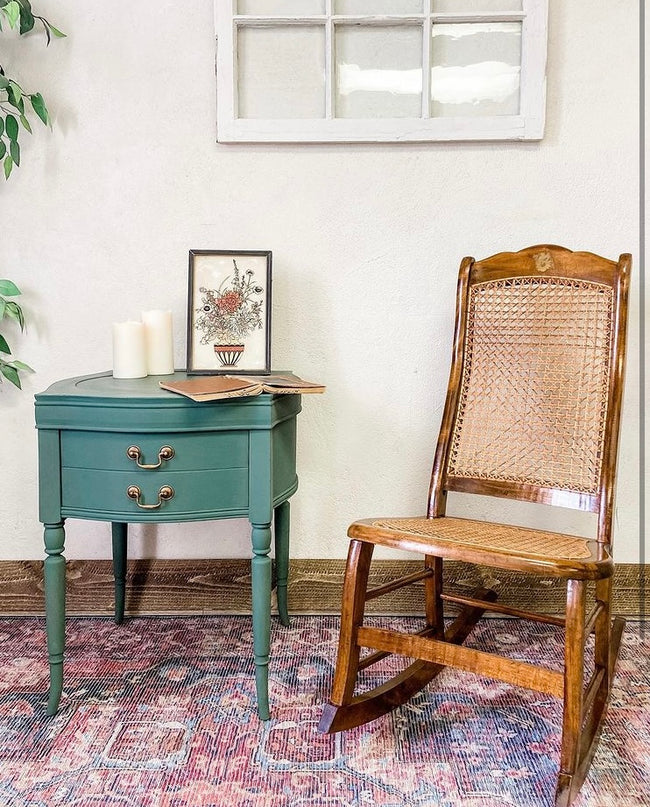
527,125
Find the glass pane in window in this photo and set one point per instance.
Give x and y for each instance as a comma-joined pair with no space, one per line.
281,71
471,6
374,7
378,71
280,8
475,69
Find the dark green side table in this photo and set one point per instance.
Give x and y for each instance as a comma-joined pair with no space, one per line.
125,451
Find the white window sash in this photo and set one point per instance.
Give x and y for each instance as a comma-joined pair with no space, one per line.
527,125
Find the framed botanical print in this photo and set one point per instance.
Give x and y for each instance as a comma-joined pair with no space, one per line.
229,312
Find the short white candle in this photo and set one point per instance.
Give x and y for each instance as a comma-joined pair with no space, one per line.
159,340
129,351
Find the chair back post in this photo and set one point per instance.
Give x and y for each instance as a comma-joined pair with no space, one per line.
437,499
618,353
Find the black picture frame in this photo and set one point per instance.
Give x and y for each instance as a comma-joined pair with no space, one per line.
229,312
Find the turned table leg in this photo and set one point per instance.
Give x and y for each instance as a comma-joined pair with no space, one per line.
261,590
54,579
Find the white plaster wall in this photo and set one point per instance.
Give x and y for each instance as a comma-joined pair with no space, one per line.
366,241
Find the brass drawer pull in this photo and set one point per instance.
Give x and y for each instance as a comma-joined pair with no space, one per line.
165,493
134,453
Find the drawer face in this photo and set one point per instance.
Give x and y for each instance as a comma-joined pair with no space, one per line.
196,493
193,451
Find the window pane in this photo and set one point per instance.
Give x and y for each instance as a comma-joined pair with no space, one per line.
374,7
278,8
465,6
379,71
281,71
475,69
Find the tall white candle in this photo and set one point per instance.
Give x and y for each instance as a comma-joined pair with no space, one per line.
159,340
129,350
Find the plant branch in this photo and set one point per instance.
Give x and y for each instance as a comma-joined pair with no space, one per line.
18,14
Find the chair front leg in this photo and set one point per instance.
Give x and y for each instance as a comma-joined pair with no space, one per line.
352,612
603,630
574,652
355,585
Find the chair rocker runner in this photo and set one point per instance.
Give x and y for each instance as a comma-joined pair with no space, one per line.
532,413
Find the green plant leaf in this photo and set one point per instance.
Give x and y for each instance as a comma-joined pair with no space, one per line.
3,305
11,126
15,97
4,82
11,374
14,150
19,105
8,165
26,19
20,365
55,32
14,92
9,289
12,10
25,123
4,347
14,311
3,149
38,105
2,125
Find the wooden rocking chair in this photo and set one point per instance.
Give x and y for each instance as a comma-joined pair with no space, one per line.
532,413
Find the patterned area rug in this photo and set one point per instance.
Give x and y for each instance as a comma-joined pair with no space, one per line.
160,712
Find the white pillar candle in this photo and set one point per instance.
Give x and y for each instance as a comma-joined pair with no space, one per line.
159,340
129,351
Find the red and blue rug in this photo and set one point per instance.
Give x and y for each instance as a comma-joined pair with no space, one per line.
160,712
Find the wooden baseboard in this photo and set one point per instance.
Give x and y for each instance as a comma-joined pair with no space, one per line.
223,586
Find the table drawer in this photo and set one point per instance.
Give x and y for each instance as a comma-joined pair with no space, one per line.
192,451
198,494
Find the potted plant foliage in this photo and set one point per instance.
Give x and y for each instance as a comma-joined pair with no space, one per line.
15,102
10,368
15,107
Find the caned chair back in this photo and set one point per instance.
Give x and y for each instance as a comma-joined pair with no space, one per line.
534,399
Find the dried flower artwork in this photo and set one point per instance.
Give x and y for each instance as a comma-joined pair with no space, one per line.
231,312
229,302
